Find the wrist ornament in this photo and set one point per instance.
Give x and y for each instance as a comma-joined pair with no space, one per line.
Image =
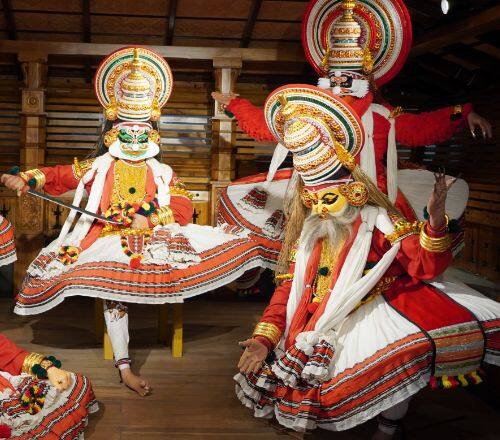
39,369
163,216
33,178
435,244
269,331
30,360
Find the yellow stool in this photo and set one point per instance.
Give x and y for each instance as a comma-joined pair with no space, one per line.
163,330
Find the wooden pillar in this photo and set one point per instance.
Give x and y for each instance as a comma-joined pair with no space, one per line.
29,218
223,164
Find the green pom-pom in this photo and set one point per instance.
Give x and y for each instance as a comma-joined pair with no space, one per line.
131,190
14,170
324,271
32,182
426,214
228,114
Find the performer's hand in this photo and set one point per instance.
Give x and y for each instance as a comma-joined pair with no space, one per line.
15,183
139,222
437,200
59,379
252,358
475,121
223,98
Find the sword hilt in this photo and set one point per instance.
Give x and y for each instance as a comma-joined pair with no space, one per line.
14,171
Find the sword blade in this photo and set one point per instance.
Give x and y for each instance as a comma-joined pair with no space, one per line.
60,202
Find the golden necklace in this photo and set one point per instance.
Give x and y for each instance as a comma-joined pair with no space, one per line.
327,261
129,182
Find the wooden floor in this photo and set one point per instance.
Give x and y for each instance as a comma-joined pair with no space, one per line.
193,396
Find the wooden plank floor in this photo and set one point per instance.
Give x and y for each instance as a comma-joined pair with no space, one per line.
193,396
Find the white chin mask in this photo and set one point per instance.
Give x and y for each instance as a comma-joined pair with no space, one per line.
133,152
133,142
346,84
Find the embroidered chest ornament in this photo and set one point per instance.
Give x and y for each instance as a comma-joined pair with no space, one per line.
132,141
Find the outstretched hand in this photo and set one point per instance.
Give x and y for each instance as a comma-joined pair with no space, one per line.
14,183
436,205
252,358
476,121
223,98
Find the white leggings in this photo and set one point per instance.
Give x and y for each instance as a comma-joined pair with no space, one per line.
396,413
116,317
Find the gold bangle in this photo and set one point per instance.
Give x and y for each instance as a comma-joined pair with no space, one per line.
432,244
269,331
284,277
30,360
165,215
34,174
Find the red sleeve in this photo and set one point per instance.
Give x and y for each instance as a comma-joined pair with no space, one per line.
250,119
182,208
59,179
416,130
420,263
11,356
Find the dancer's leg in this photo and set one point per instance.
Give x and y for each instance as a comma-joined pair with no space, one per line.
390,420
116,317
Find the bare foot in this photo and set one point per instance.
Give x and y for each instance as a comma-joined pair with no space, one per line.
379,435
136,383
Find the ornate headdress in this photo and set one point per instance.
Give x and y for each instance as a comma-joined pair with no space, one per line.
360,36
311,122
133,84
325,135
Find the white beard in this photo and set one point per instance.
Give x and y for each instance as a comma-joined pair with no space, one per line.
336,228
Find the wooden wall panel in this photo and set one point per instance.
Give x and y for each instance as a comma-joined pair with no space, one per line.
10,106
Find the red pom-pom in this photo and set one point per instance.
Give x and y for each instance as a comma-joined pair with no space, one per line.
135,262
5,431
312,307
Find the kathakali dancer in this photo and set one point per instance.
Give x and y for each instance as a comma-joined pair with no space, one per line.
153,255
356,46
359,323
38,400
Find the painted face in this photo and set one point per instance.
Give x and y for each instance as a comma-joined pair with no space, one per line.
349,83
324,202
132,141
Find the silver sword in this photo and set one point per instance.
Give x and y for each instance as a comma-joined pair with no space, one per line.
60,202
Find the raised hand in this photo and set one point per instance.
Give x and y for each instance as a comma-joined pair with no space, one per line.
60,379
437,200
14,183
476,121
254,355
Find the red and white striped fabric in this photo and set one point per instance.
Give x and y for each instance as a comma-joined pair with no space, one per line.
7,245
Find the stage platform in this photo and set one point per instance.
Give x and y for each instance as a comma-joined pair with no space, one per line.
193,396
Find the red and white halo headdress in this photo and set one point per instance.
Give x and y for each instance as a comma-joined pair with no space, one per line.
133,84
312,124
380,28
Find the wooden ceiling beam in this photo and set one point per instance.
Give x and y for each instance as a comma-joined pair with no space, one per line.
250,24
172,13
9,19
451,33
179,52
